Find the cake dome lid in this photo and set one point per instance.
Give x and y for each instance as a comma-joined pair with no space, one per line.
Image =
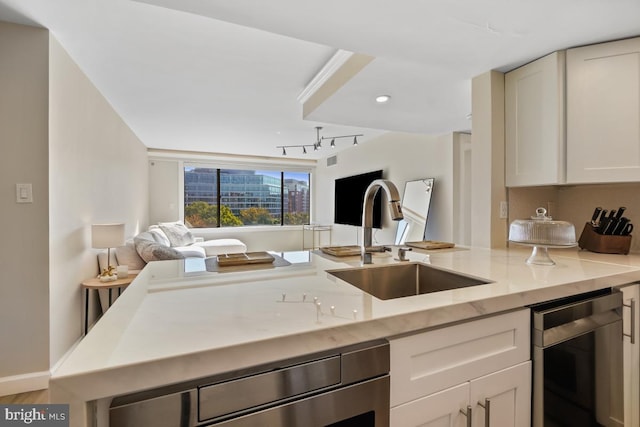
542,230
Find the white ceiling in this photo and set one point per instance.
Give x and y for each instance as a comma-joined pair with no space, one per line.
224,76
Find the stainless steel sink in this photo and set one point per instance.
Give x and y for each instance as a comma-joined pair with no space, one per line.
403,280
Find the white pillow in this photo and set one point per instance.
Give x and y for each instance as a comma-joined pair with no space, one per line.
177,233
127,255
158,236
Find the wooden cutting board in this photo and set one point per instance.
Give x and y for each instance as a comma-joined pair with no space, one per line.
341,250
244,258
430,244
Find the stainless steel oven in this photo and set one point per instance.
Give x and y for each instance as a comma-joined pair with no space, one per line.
577,361
347,387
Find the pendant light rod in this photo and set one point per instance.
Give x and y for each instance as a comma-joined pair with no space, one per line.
318,144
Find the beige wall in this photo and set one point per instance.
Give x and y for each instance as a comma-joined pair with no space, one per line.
488,230
98,174
24,252
576,203
86,166
403,157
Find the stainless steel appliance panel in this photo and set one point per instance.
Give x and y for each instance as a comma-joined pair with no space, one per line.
577,362
337,388
362,404
170,410
231,396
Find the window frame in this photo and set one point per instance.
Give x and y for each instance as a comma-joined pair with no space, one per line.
220,166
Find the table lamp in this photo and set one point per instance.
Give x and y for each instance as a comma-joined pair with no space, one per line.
107,236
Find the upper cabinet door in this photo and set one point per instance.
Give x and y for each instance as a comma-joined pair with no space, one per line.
603,112
534,123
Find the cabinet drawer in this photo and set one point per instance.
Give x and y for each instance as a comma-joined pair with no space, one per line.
431,361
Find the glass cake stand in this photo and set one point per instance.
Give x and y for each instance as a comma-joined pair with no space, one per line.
540,254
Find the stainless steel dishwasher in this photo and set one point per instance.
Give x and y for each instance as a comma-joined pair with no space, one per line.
343,387
577,361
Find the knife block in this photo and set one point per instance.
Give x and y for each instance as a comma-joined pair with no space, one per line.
602,243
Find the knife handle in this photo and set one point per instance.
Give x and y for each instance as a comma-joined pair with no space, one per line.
622,222
596,214
611,226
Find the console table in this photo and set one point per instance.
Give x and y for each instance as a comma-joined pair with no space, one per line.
316,230
94,283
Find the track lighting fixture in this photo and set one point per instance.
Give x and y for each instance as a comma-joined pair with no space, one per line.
318,144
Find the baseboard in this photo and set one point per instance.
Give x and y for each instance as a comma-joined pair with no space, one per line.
24,383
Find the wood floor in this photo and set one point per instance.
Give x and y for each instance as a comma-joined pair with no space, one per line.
39,396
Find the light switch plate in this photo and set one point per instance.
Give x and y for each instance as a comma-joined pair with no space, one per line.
24,193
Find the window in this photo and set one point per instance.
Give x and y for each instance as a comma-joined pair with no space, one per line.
241,197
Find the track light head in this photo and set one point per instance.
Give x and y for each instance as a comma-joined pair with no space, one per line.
318,144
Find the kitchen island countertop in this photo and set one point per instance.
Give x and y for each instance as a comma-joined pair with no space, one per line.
178,322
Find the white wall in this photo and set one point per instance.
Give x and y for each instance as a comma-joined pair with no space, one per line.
24,253
488,230
98,174
403,157
164,190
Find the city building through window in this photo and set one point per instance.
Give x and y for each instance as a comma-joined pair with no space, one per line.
216,197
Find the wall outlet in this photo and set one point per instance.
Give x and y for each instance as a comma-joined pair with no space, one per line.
504,210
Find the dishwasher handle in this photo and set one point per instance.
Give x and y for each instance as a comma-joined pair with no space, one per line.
557,324
632,333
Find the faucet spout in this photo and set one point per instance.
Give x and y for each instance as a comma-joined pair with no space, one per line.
395,211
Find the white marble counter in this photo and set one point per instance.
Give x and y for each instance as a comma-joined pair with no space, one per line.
177,322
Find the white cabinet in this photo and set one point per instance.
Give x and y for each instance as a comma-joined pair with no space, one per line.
507,393
436,410
631,348
603,112
437,374
534,123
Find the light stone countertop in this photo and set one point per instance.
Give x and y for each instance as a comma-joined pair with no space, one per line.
178,322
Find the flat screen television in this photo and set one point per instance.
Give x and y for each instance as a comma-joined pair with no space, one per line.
349,196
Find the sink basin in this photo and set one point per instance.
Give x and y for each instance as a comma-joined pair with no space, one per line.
403,280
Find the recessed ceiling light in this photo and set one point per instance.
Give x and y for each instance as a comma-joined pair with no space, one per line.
381,99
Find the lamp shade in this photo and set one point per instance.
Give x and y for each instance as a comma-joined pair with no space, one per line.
104,236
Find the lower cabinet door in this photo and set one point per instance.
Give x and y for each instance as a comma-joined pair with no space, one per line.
631,348
506,393
440,409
